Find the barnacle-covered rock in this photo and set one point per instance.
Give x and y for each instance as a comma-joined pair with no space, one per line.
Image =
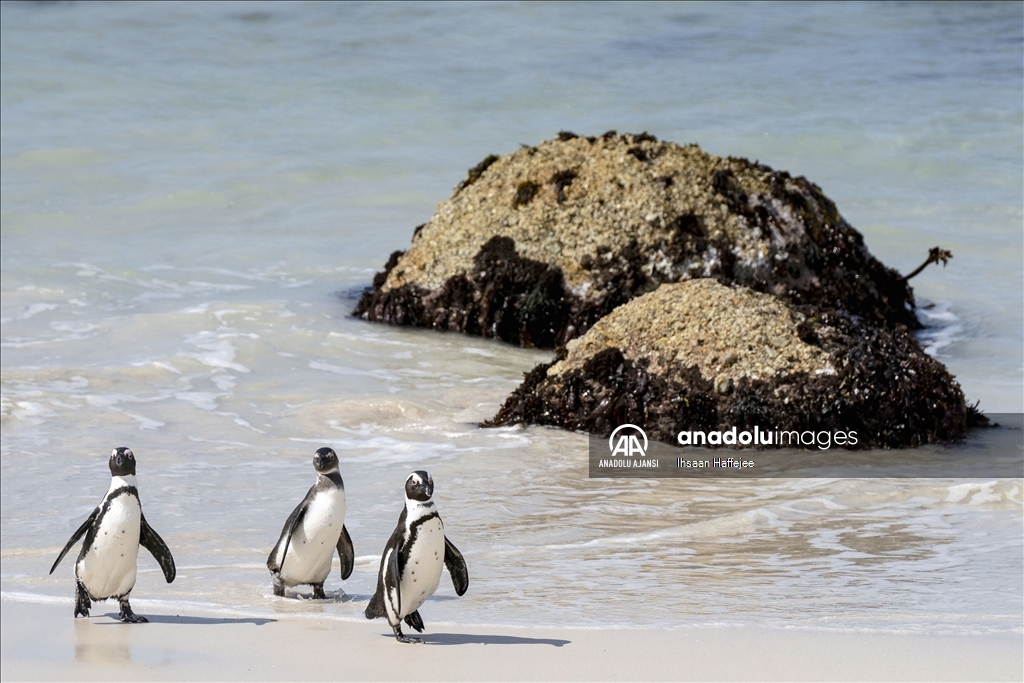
700,355
536,246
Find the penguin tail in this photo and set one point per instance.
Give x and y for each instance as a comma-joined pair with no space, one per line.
375,609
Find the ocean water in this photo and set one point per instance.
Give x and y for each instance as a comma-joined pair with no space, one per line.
192,197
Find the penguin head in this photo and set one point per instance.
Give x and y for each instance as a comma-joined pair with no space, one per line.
419,486
325,460
122,462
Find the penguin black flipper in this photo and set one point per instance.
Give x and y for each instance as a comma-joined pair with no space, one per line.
387,575
346,553
393,581
456,567
388,585
151,541
75,536
293,521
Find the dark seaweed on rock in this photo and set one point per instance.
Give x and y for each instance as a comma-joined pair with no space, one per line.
504,296
562,180
884,387
525,193
852,279
508,297
609,391
474,173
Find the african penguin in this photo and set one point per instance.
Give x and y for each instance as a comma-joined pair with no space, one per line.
313,531
114,531
410,568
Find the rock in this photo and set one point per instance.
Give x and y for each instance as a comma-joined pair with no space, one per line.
703,355
536,246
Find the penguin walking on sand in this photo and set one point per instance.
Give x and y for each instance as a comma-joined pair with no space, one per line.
312,533
107,563
410,568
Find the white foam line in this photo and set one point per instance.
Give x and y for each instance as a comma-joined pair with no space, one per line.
38,598
942,327
242,444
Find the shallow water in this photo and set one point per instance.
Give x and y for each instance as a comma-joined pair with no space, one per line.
192,197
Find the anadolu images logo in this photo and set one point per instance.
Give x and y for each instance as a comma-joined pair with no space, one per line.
627,444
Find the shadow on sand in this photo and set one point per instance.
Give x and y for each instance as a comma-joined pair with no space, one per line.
481,639
193,621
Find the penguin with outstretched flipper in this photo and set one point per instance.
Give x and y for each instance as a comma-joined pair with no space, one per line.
314,530
410,568
108,562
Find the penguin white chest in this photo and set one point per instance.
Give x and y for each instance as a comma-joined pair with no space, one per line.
315,539
109,565
421,574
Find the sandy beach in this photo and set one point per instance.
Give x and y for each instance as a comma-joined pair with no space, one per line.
43,642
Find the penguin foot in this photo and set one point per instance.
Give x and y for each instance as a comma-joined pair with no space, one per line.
318,592
278,587
402,638
130,617
82,602
415,621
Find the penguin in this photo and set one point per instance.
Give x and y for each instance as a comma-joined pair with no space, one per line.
313,531
107,563
410,568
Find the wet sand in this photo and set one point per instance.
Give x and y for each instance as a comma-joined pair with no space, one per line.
43,642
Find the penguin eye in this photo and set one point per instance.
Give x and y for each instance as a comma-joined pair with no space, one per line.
130,456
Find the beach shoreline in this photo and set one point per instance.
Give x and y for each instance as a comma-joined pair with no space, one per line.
43,642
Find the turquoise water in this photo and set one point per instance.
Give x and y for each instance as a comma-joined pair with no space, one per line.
192,197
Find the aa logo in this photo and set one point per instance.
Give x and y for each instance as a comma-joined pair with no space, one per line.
624,442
